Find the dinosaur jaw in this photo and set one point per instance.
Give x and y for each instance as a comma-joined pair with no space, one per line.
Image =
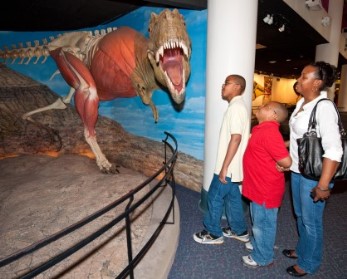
171,58
177,90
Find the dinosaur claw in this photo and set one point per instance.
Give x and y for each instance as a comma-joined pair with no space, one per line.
27,118
111,170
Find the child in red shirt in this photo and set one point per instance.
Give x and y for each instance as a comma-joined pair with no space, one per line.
265,158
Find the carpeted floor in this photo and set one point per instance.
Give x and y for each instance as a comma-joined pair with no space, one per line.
197,261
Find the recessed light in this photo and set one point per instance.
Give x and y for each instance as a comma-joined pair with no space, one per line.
272,61
288,60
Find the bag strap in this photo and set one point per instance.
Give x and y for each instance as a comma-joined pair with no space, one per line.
313,122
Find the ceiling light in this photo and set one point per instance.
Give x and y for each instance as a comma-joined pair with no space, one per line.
271,20
326,21
313,5
282,28
272,61
268,19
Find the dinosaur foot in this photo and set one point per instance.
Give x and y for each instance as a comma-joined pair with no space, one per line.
106,167
111,170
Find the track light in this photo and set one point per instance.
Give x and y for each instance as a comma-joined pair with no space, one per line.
278,21
313,5
268,19
326,21
282,28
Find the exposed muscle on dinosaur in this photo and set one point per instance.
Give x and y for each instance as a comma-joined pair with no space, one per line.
119,63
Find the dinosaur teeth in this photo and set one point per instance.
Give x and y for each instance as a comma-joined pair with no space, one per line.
171,45
185,49
159,53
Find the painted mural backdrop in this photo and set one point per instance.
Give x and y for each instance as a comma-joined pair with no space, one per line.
187,125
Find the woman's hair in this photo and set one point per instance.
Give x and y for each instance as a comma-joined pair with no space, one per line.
325,72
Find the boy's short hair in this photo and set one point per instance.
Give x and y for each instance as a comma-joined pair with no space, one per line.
281,111
240,80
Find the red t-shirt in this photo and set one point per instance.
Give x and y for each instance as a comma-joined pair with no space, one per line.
262,182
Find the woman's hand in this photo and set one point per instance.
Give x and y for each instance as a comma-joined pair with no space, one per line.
322,191
320,194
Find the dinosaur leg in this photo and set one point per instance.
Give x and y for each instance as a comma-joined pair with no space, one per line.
87,101
54,74
78,76
58,104
67,99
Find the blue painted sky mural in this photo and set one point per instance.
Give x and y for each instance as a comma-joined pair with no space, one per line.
187,125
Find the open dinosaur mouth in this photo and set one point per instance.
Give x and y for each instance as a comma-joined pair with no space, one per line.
170,58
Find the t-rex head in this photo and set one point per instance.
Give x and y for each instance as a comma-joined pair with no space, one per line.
169,52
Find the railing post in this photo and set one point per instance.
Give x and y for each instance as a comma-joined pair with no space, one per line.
128,233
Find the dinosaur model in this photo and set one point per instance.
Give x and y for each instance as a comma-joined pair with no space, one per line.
119,63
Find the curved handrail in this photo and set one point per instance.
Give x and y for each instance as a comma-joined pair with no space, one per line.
168,178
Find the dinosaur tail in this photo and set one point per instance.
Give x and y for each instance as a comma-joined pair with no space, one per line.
36,50
23,54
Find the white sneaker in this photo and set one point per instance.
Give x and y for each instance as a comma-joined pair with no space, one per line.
227,232
204,237
249,262
249,246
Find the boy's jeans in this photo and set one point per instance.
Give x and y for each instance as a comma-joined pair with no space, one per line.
264,225
220,195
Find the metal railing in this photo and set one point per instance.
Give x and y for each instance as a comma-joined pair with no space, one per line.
166,178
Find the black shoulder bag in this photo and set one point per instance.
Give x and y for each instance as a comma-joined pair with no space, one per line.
310,150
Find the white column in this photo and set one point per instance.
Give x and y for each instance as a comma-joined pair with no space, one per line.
231,41
342,103
329,52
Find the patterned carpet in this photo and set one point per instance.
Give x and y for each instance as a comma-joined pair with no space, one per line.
197,261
